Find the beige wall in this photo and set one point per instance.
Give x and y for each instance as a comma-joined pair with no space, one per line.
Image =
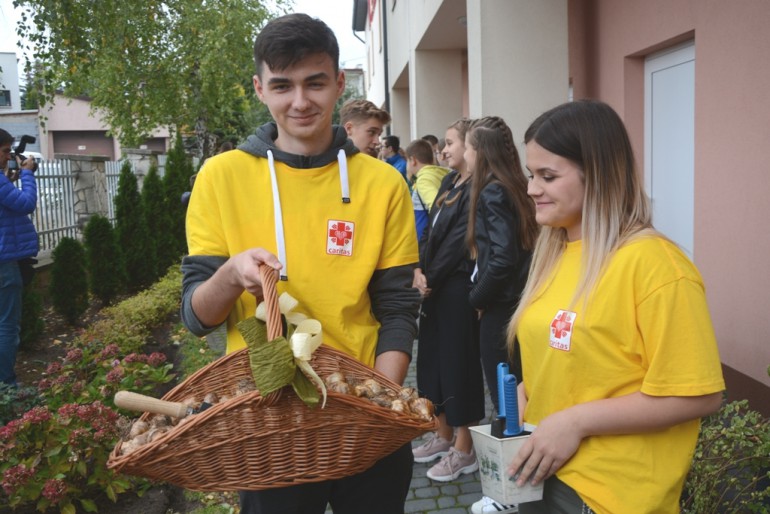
517,69
608,42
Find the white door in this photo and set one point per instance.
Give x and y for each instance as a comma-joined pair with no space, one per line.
670,140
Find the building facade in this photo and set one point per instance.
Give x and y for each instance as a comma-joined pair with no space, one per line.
688,77
65,126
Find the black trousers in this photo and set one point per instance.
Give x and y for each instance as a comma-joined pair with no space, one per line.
448,366
381,489
493,329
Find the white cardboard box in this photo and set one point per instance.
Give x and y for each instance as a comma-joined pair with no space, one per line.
494,456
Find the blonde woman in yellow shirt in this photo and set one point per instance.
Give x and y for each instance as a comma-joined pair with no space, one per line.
619,355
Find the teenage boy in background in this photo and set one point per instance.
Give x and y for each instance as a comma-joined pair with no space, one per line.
427,179
391,154
284,198
363,121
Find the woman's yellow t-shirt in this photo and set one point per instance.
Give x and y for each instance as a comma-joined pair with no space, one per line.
647,328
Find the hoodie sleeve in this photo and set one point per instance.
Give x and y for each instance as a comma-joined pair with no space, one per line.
395,304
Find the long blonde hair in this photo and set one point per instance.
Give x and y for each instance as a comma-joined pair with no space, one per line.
615,207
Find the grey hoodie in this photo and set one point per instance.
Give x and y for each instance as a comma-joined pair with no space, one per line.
395,303
264,139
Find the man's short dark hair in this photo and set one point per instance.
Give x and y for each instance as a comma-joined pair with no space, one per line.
393,142
5,137
430,138
287,40
421,150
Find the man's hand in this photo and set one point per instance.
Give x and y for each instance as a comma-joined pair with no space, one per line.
243,269
420,282
28,164
213,299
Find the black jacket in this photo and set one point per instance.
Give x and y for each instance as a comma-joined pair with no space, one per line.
502,263
443,251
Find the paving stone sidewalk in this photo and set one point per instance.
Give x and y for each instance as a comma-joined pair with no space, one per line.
427,496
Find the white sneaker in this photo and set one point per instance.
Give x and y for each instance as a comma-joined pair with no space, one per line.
487,505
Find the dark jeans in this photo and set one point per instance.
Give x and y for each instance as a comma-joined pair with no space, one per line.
381,489
558,498
493,331
10,320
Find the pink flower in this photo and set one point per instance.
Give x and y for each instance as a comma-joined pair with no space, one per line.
55,490
156,359
115,376
43,385
74,355
16,477
53,368
69,410
131,358
36,415
8,432
111,350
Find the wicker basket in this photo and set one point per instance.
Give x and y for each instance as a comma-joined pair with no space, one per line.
252,442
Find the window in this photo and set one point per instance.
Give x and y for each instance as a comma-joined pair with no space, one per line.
5,98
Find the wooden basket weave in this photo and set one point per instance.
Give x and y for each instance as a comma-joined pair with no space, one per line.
251,442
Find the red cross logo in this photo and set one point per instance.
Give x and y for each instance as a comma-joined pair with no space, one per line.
561,325
339,237
340,233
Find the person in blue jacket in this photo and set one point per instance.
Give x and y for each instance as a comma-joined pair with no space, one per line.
391,153
18,240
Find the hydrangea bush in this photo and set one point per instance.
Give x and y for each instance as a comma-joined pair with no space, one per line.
54,455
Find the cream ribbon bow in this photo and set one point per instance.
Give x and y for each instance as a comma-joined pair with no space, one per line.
307,337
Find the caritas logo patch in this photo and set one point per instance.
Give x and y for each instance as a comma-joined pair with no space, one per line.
339,237
561,330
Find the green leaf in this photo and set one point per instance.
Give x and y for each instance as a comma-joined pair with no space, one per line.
305,389
88,505
68,509
56,450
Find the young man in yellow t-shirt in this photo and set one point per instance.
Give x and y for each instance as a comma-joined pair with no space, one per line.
335,223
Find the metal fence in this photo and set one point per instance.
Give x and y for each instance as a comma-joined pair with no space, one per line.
55,216
112,172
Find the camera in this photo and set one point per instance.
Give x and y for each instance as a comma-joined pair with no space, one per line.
13,165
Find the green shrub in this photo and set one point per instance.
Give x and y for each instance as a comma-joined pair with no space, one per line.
105,260
131,227
176,181
53,457
69,283
16,401
129,324
154,206
32,324
730,473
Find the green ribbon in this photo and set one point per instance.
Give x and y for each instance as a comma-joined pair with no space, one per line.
273,364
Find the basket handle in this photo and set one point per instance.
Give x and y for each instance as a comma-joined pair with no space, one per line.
269,280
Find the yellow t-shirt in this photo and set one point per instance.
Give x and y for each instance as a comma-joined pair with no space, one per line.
332,248
647,328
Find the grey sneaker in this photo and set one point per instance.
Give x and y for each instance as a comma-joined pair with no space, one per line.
434,448
455,463
487,505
